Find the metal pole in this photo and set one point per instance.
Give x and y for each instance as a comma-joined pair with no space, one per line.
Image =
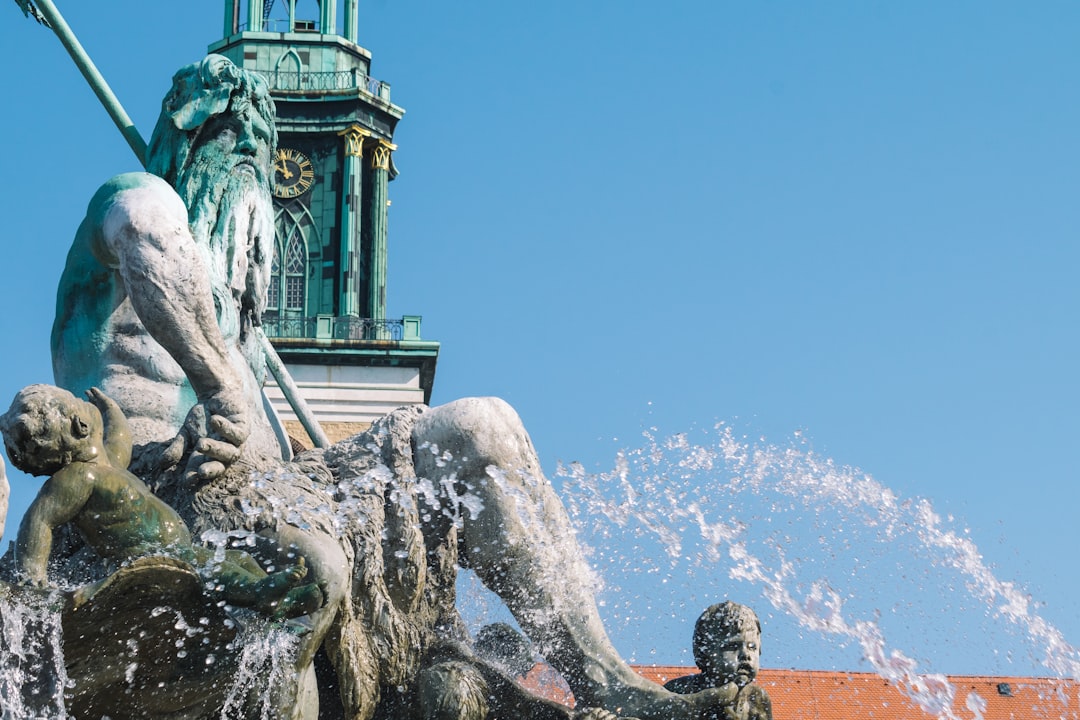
97,82
292,393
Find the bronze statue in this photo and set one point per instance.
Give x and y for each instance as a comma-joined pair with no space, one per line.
727,650
85,448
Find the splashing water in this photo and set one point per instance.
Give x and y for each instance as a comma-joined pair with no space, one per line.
816,538
32,673
264,673
799,527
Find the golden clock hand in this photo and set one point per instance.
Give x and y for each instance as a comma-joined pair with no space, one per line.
283,168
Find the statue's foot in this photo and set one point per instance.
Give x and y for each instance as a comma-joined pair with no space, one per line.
274,586
285,598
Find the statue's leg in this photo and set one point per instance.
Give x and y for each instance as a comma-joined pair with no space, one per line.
328,567
521,545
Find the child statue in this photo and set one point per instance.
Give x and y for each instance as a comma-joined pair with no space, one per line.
85,447
727,650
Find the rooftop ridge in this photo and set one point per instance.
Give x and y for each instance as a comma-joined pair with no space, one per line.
868,674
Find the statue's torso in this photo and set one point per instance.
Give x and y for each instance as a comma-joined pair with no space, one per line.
98,340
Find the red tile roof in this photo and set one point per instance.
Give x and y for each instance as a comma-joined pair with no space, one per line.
821,695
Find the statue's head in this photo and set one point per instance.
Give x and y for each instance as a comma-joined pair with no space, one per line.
727,643
48,428
207,99
214,143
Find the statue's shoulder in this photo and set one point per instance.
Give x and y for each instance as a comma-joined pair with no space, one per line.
74,479
116,186
139,193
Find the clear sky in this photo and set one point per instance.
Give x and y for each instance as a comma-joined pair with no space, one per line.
847,229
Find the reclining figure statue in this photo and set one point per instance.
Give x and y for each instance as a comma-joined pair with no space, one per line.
160,306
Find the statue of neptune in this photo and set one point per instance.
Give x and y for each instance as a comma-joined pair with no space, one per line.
159,306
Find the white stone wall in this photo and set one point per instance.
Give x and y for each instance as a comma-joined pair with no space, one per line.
348,393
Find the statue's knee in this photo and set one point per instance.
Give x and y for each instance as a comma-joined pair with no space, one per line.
480,431
331,571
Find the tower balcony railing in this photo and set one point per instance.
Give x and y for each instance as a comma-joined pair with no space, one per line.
292,81
283,25
328,327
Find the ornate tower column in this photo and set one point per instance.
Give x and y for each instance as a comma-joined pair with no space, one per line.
349,268
351,24
379,212
255,17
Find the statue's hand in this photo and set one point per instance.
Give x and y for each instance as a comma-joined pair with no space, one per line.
214,432
732,702
719,702
758,702
103,402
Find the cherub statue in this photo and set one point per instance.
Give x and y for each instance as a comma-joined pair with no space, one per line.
727,650
85,447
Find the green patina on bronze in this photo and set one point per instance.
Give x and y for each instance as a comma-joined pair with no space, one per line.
85,448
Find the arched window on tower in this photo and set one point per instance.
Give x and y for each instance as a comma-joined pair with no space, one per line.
273,291
290,301
295,273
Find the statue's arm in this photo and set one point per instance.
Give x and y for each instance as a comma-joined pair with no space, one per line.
59,501
117,431
144,235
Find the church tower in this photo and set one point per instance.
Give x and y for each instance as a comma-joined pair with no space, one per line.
335,158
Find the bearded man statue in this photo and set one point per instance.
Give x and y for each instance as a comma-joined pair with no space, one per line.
163,286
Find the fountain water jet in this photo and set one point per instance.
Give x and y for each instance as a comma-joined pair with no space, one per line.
30,636
728,501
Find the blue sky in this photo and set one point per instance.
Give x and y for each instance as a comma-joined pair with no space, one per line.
847,229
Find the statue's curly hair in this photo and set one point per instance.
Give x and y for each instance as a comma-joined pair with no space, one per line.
199,92
40,431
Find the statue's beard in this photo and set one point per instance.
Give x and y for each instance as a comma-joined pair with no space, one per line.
230,213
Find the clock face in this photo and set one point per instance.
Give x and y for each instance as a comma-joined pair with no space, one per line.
293,173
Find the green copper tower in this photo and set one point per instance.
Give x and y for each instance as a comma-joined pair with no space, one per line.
334,162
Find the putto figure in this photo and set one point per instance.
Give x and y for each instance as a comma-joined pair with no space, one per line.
85,448
727,650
